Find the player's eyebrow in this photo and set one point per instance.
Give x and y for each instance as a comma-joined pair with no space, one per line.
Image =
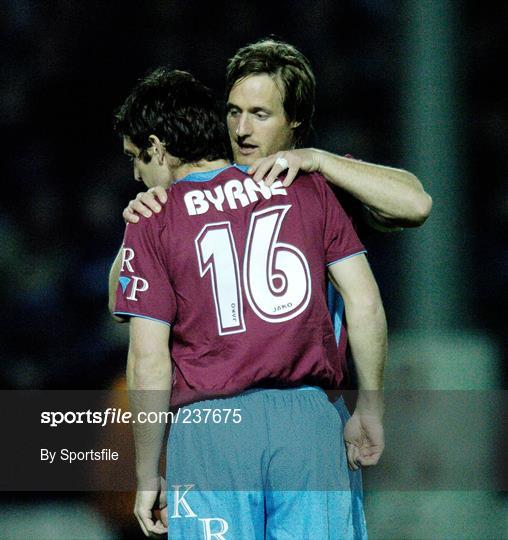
253,109
260,109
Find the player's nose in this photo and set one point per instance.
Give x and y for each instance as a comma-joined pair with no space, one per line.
137,174
244,127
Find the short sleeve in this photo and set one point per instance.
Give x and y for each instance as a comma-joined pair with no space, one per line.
144,288
339,237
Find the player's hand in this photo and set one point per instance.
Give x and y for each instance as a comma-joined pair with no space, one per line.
144,512
163,502
145,204
364,438
269,168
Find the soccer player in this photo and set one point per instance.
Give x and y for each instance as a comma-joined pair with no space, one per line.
234,272
270,89
270,93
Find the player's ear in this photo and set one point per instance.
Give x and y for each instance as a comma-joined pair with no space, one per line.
157,148
294,124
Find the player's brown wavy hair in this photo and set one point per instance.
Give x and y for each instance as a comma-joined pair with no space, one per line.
180,110
286,64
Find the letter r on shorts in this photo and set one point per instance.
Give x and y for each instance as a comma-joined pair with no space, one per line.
207,528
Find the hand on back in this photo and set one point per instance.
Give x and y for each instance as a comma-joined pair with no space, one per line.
270,167
145,204
265,169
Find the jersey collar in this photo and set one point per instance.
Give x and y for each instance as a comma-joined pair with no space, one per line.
209,175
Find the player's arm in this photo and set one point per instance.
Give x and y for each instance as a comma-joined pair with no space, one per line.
149,378
114,274
394,197
366,325
145,203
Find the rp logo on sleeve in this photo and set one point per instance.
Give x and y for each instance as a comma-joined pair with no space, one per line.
131,285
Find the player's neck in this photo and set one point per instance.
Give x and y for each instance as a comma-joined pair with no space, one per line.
199,166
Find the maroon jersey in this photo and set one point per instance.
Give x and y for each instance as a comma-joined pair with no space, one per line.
239,272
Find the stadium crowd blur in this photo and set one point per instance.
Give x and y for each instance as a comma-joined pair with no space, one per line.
66,66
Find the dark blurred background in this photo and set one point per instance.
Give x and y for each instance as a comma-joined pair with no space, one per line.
416,85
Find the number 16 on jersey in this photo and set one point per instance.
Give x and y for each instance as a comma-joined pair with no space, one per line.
275,275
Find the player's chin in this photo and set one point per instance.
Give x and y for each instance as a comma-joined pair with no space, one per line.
247,159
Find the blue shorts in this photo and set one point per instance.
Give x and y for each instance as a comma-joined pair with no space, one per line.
273,467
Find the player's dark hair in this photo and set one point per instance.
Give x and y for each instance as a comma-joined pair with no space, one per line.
286,64
180,111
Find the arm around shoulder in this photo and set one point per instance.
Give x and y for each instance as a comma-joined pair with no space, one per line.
395,197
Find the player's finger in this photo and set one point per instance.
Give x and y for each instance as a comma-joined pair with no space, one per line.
290,176
139,207
349,455
369,459
352,455
281,164
160,192
146,199
254,167
273,174
148,525
163,502
277,169
129,217
141,524
263,168
149,200
164,516
160,528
